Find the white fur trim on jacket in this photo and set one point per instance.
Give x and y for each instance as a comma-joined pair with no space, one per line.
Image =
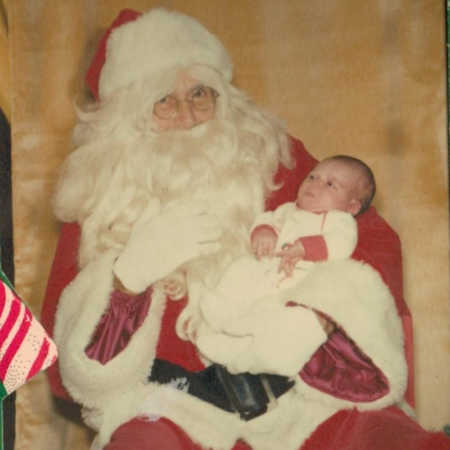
350,292
106,392
354,295
155,42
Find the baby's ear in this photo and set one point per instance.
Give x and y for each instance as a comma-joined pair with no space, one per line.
354,207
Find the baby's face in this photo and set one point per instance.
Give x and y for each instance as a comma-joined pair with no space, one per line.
331,185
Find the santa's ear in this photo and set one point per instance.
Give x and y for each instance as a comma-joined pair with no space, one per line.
354,207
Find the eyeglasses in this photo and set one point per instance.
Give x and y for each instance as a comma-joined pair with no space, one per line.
200,98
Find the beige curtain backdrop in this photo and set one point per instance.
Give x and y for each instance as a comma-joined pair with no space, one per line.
363,78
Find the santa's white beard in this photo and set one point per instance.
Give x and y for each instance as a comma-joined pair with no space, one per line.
211,164
207,165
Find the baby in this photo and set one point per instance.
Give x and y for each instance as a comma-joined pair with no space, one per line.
318,226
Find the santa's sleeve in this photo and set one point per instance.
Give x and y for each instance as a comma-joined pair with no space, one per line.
63,271
78,312
289,179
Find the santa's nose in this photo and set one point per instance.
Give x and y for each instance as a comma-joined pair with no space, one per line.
185,117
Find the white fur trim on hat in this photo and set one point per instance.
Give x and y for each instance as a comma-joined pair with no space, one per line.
155,42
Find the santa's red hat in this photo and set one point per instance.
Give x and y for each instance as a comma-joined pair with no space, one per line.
138,46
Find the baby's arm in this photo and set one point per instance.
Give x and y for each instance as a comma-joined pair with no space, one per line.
336,240
340,235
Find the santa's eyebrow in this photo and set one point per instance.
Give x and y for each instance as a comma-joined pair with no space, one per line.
197,86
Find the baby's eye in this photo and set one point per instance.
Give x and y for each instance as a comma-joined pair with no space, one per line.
332,185
311,176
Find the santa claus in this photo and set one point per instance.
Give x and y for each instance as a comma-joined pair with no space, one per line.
171,166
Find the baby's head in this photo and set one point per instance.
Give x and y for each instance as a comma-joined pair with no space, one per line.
340,182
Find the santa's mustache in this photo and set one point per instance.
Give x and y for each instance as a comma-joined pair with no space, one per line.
185,159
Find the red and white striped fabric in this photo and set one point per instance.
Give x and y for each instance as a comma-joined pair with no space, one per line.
25,346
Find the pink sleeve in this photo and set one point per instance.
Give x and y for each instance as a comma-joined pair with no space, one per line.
315,248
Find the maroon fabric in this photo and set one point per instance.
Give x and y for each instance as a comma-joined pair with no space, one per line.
124,316
339,368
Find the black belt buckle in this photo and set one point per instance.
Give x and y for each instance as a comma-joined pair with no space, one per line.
244,393
248,394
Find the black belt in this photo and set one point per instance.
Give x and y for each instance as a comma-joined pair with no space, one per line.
244,393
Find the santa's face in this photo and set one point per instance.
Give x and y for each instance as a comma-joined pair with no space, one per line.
331,185
189,104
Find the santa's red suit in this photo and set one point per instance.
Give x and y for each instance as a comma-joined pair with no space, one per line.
349,394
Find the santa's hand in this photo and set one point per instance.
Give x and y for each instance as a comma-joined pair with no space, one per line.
158,245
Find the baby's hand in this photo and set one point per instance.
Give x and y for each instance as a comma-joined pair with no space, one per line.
290,255
175,285
263,242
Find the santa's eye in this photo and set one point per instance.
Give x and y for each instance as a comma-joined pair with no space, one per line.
198,92
202,98
166,107
167,100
